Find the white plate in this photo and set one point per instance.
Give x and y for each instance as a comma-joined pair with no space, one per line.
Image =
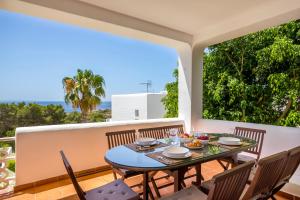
229,141
145,141
187,155
176,151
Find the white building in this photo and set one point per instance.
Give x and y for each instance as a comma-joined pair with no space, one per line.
137,106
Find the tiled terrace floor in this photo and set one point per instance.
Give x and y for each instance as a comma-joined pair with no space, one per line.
63,190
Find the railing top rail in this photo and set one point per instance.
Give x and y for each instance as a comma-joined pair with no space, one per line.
7,139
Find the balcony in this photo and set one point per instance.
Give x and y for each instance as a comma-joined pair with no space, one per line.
40,173
37,148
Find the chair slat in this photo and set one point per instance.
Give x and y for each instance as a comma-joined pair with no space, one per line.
118,138
230,184
268,172
255,134
160,132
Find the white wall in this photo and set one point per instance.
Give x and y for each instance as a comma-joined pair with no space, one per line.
155,107
123,106
148,104
37,148
277,138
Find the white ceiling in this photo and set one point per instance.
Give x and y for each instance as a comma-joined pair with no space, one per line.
168,22
196,16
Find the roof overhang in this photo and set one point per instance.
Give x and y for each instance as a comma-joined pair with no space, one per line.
170,22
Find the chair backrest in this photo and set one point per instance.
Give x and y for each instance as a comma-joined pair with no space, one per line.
292,164
160,132
118,138
79,191
230,184
268,172
254,134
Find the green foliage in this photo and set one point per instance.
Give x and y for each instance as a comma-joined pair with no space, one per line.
54,114
8,116
254,78
170,101
73,118
22,115
99,116
11,165
84,91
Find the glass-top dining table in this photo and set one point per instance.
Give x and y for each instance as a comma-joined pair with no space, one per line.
150,160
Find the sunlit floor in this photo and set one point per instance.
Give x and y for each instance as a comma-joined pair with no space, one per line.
63,190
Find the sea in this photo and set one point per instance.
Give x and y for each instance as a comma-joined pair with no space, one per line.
68,108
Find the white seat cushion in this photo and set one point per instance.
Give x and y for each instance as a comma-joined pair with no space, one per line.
191,193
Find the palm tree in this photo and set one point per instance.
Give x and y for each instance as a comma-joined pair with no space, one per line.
84,91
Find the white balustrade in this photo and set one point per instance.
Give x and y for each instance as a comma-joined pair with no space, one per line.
6,176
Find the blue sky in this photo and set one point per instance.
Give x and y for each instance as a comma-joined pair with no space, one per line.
35,54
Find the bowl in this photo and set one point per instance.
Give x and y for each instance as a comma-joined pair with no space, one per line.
185,140
176,151
204,141
145,141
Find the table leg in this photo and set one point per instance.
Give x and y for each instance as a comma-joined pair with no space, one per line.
176,180
198,174
145,186
179,178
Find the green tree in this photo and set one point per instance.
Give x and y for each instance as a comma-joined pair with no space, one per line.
54,114
30,115
170,101
99,116
8,116
72,117
84,91
254,78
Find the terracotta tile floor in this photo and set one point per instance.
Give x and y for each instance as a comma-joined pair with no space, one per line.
63,190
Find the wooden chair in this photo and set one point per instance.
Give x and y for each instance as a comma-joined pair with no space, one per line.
254,134
291,166
116,190
118,138
160,133
228,185
268,172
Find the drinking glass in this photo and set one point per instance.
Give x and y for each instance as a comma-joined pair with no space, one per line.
174,136
137,136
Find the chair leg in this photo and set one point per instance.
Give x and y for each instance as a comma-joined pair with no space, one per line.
202,178
151,194
183,185
225,167
273,198
115,175
155,187
151,178
228,164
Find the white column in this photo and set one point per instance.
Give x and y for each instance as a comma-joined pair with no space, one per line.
190,84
